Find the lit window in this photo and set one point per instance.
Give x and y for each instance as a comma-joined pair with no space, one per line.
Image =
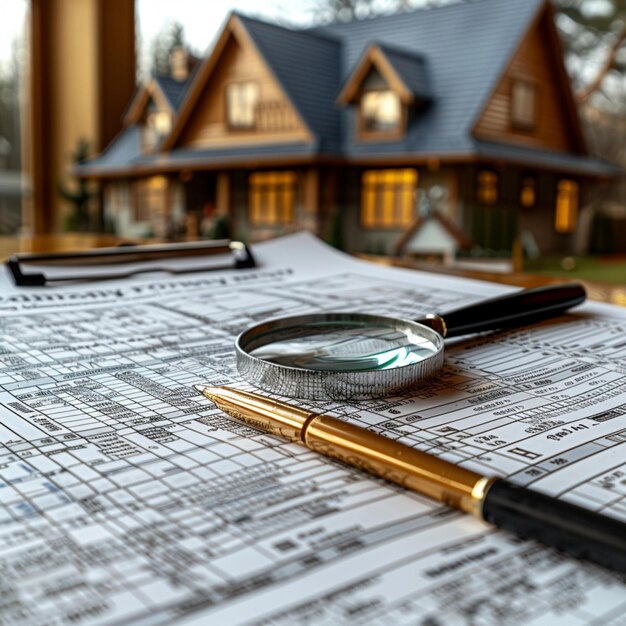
158,124
524,105
528,193
150,198
161,122
242,100
566,212
388,198
487,191
381,111
272,196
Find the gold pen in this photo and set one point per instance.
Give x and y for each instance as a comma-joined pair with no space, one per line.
576,530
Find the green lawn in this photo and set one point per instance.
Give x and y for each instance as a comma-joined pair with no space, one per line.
600,269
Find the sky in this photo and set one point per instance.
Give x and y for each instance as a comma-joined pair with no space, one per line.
12,14
203,19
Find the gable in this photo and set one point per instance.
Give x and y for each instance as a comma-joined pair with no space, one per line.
536,63
431,236
374,80
151,113
375,70
149,96
206,124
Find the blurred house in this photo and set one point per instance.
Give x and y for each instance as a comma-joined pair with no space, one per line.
281,129
432,236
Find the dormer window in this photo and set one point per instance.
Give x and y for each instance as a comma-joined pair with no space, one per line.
242,100
160,122
381,111
388,88
157,125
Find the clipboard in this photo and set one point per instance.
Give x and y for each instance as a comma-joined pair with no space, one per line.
38,270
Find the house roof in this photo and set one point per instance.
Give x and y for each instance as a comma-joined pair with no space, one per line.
306,64
462,240
124,157
173,90
403,71
455,55
412,68
168,91
546,159
468,46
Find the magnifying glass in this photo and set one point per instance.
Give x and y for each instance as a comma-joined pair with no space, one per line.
339,356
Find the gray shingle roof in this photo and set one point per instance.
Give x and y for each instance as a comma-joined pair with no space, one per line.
456,54
125,154
412,68
468,46
548,159
307,66
174,90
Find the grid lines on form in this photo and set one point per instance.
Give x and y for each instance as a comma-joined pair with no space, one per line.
135,499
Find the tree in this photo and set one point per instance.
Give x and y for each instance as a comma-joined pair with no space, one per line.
594,36
162,46
81,196
346,10
10,105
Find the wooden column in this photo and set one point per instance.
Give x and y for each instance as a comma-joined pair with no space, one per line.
311,200
222,194
82,75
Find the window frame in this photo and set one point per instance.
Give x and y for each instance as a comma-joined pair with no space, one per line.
517,123
151,136
365,134
480,198
146,193
227,90
377,192
275,193
566,211
535,183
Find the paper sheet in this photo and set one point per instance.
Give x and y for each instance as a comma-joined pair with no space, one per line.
128,498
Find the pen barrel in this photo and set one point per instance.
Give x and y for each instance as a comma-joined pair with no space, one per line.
579,532
393,461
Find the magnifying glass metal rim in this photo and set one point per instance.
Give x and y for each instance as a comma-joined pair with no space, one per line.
313,384
507,311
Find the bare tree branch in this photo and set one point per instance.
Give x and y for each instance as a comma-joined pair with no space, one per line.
584,94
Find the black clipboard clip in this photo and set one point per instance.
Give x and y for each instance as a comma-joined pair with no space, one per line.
220,254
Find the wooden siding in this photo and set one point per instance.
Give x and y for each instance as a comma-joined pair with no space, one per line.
277,120
534,63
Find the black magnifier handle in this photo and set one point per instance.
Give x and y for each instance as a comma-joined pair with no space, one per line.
517,309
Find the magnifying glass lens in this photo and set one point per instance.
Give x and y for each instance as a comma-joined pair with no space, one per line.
344,347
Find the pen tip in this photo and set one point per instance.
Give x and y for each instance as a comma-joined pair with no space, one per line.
212,393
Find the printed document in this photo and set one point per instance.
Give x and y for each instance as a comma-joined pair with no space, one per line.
128,498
